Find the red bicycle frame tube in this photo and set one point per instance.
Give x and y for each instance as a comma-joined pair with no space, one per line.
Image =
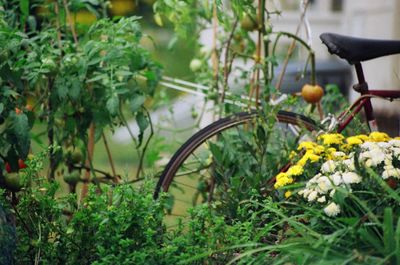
362,102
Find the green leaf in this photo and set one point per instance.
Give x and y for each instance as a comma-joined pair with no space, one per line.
61,91
21,131
397,241
112,105
75,88
216,151
371,238
24,7
143,123
388,231
1,107
137,102
97,78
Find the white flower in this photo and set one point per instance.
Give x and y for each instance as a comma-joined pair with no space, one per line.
369,145
396,151
312,196
351,177
332,209
324,184
394,142
349,163
305,192
365,155
384,145
321,199
388,161
390,171
337,178
339,154
328,166
332,193
373,157
313,180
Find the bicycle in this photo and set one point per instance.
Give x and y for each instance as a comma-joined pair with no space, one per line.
293,126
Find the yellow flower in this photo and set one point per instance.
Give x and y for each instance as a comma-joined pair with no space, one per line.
282,179
292,154
362,137
281,175
306,145
295,170
319,149
309,155
332,138
331,150
288,194
378,137
345,147
354,140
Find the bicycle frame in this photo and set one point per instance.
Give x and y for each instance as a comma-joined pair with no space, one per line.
364,101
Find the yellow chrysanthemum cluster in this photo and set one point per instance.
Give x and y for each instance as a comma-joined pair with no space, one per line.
331,138
331,148
285,178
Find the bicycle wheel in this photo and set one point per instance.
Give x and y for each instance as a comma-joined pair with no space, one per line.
230,157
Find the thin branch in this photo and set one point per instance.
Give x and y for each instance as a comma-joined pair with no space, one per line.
227,64
123,119
71,24
145,145
57,13
89,159
291,48
214,56
110,159
106,174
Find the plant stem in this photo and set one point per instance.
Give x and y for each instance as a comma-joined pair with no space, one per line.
227,65
291,49
110,159
214,55
260,18
69,21
145,145
57,13
50,134
90,151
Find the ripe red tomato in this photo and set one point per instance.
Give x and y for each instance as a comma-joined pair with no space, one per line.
312,94
8,167
21,164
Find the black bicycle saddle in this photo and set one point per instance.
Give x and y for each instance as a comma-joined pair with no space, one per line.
356,50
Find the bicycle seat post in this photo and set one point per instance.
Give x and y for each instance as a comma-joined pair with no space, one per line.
362,88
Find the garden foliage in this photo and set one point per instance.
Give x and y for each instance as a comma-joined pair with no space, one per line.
337,204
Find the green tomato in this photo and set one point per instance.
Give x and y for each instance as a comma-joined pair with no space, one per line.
212,95
194,114
74,155
268,28
248,23
70,60
195,65
120,78
205,51
72,178
50,64
13,182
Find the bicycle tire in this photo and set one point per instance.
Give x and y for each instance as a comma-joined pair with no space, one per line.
219,126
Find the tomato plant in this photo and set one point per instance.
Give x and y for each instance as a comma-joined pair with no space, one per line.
74,77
